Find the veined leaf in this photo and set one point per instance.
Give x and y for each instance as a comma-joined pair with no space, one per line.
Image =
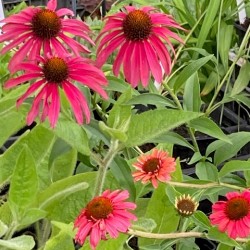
151,124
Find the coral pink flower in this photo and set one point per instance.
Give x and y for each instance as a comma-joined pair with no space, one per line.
37,29
154,167
105,214
233,215
52,73
141,36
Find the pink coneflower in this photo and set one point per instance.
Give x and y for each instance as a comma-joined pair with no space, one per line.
52,73
105,214
233,215
141,36
36,28
154,167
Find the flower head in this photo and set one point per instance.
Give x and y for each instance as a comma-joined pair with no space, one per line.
154,167
55,72
233,215
37,29
105,214
185,205
141,36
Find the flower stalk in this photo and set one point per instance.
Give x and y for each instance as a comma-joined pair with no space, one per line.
204,186
174,235
103,167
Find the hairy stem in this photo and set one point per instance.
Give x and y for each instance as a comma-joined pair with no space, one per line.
174,235
103,167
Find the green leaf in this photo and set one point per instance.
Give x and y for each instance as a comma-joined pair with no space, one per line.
222,246
173,138
224,42
215,234
148,125
3,228
39,141
177,174
201,220
113,133
32,215
122,173
206,171
67,208
66,228
224,151
144,224
11,119
191,96
234,165
189,70
24,181
62,165
210,83
207,126
211,14
161,210
73,134
153,99
242,98
61,241
24,242
60,189
242,80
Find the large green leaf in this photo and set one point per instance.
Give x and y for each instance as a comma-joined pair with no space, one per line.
225,151
154,99
189,70
39,141
61,241
62,160
215,234
162,211
60,189
206,171
146,126
11,119
201,220
207,126
211,14
73,134
24,181
191,96
242,80
234,165
224,42
24,242
122,173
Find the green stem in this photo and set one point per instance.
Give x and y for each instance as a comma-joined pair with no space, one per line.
174,235
11,231
204,186
103,167
244,42
177,102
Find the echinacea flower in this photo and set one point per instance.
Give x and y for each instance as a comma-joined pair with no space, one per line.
154,167
37,29
185,205
55,72
104,215
141,37
233,215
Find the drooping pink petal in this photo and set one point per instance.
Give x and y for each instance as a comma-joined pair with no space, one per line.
21,79
32,88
